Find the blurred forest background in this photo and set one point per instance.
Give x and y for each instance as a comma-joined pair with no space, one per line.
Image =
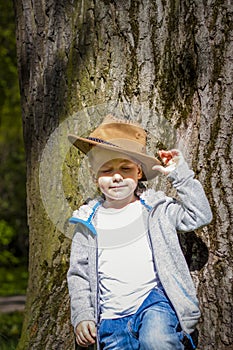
13,224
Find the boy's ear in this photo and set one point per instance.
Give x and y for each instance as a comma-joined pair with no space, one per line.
139,172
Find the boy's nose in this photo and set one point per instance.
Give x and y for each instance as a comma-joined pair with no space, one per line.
117,177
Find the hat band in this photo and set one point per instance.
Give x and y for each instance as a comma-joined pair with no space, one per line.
122,143
101,141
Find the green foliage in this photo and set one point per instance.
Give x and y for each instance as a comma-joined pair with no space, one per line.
10,113
6,233
13,227
9,90
13,281
10,329
7,344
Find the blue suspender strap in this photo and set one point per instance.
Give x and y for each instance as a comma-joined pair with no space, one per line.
87,222
191,341
145,205
93,211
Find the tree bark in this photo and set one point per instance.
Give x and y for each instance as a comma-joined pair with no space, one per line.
175,59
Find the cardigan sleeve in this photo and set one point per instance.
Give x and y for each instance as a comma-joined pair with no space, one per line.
192,209
79,280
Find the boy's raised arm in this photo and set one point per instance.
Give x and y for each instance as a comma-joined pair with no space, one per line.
192,210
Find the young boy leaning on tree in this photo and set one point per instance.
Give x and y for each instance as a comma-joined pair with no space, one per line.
129,284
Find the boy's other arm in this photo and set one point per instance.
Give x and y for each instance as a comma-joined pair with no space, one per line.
192,210
78,281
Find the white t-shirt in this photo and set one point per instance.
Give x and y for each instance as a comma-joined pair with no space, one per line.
126,269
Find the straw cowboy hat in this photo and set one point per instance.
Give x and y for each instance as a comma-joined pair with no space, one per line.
117,137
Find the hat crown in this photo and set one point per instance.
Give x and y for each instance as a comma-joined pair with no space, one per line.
113,129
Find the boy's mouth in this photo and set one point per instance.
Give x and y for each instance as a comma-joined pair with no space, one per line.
115,187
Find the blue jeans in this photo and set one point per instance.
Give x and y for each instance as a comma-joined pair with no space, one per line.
153,327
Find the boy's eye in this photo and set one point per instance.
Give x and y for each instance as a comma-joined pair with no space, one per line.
125,168
105,171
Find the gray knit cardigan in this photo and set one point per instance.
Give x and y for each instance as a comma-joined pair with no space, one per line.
164,217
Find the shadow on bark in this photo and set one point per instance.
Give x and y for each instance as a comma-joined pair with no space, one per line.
194,249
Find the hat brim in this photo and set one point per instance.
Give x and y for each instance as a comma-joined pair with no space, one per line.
147,162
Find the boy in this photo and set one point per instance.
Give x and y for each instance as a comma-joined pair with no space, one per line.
129,284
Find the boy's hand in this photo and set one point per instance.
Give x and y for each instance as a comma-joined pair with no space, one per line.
85,333
170,159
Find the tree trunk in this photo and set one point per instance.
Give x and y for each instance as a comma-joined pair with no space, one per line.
174,58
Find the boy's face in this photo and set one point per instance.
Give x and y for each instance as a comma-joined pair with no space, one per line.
118,178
